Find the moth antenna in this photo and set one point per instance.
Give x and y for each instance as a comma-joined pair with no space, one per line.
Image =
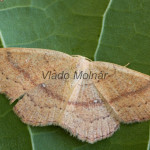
127,65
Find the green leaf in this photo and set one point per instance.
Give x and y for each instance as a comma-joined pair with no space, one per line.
13,133
125,39
71,26
115,31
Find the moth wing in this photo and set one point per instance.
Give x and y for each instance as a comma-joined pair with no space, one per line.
125,90
21,69
87,116
73,105
42,105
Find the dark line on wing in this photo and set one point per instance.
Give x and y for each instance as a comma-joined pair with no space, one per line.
15,66
131,93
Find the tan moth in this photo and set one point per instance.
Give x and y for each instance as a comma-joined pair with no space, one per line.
90,101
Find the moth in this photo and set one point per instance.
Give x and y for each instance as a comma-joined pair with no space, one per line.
89,108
